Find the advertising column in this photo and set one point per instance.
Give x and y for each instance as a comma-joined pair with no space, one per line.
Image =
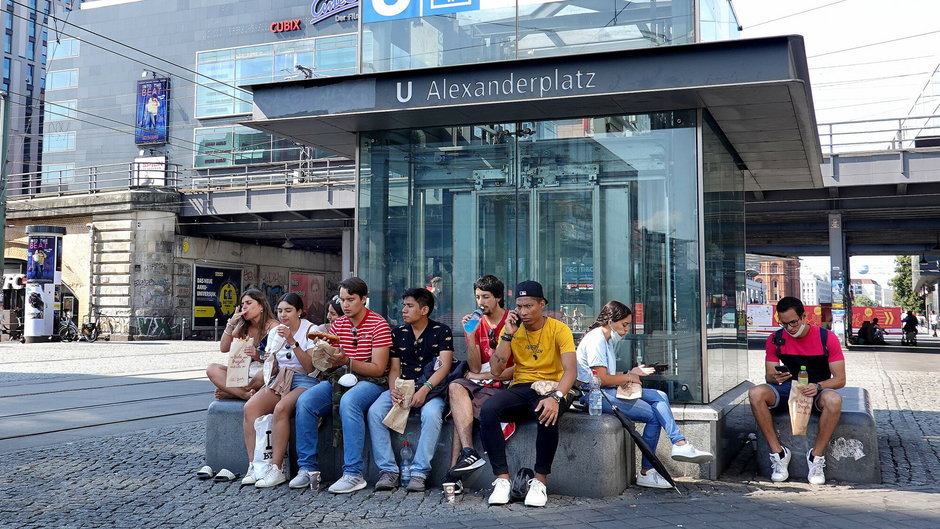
43,275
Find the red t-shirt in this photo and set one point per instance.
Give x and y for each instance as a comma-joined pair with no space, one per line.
359,341
482,338
809,345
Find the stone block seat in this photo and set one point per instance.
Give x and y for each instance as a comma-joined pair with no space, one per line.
852,454
594,459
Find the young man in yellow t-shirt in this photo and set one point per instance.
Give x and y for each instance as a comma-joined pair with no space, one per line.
542,349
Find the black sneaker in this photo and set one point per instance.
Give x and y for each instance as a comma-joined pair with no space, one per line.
469,460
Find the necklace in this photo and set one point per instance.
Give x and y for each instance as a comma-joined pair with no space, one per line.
537,346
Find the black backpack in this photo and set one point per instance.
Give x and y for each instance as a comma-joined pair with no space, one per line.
520,484
823,336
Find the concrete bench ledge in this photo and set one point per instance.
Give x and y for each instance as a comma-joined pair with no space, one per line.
594,459
852,454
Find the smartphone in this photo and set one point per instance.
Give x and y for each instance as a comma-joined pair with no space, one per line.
516,320
782,369
659,367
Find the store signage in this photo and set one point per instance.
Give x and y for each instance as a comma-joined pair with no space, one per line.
324,9
554,83
14,281
286,25
382,10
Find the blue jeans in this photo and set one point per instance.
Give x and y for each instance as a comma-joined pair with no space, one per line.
432,417
317,402
652,408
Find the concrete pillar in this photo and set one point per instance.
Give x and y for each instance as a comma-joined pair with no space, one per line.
841,309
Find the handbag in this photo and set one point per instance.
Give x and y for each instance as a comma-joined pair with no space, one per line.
264,451
520,484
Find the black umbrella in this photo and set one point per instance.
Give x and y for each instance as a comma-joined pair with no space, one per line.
650,453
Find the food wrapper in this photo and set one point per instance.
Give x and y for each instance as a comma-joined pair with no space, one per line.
236,375
321,354
801,407
544,387
629,391
397,417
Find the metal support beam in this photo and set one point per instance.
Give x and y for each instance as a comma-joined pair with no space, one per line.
839,275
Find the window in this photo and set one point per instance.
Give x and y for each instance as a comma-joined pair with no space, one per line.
223,69
32,28
9,21
238,145
32,5
59,142
30,49
60,110
47,7
774,269
62,79
7,43
64,49
56,173
7,64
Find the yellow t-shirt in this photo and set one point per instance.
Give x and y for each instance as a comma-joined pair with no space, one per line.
537,355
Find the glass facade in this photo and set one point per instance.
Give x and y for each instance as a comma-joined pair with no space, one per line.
227,68
595,209
725,289
237,145
519,29
717,21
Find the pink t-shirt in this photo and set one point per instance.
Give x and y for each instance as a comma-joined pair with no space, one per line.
809,345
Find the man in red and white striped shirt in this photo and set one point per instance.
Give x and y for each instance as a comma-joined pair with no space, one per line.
365,339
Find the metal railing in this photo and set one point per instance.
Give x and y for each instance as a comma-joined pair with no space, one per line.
83,180
318,172
891,134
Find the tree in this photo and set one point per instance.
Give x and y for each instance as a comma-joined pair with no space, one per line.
862,300
903,285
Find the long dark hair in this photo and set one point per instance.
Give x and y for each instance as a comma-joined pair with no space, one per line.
294,300
612,311
266,313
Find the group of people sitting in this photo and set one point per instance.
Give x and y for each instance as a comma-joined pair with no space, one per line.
521,365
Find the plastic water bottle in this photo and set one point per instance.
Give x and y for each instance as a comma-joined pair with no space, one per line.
407,457
474,320
595,406
803,377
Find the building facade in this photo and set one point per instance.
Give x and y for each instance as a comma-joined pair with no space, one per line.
782,277
869,288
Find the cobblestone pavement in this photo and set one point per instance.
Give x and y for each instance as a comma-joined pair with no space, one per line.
145,479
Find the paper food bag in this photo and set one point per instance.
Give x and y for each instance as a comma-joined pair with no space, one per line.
321,353
238,363
397,417
801,407
629,391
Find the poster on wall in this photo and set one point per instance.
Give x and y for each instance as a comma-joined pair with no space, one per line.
41,253
310,288
215,296
152,102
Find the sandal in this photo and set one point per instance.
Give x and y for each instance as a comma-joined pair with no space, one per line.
225,476
204,472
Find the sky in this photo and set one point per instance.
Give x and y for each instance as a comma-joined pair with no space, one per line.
878,268
876,81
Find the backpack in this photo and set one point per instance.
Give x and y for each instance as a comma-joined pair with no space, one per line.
823,336
520,484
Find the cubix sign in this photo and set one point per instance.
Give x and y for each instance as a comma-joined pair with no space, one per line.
382,10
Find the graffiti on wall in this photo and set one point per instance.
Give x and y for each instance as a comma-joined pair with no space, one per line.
155,326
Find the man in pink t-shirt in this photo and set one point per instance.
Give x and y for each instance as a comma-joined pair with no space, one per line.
799,344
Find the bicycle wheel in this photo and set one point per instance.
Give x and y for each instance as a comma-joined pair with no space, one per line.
92,334
68,334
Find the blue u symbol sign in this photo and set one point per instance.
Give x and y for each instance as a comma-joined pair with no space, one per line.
380,10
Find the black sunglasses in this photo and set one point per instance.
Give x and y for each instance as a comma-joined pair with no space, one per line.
492,334
355,333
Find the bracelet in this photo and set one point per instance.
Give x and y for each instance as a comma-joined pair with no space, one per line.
227,332
506,337
429,385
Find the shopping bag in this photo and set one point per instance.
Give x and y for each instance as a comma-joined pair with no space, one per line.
321,353
397,417
801,407
238,363
264,449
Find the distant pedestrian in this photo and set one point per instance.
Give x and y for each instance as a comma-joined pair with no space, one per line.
936,323
932,322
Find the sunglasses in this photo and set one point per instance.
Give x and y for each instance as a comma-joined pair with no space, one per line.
492,334
355,333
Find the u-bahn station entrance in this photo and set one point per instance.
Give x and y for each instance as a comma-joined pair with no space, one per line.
600,171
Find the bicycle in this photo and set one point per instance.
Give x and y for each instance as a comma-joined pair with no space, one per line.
91,331
13,328
68,331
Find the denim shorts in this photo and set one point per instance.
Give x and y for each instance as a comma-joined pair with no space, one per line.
783,397
302,381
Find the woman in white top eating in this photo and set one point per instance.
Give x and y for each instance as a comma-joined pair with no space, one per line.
279,395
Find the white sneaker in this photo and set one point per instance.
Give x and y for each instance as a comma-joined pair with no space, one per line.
816,476
348,483
305,478
689,454
501,489
537,495
652,479
250,475
272,477
779,466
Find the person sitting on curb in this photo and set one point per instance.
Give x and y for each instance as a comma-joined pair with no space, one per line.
422,351
544,355
280,395
334,309
801,345
252,319
597,352
365,339
468,394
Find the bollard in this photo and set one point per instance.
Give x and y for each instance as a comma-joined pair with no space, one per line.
183,330
216,331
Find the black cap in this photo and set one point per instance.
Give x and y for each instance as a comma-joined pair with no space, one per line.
531,289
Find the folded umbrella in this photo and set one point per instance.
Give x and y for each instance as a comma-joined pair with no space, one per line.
649,452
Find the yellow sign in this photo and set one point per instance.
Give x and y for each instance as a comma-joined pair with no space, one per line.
228,299
204,312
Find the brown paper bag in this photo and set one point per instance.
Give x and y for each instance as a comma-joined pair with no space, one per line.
801,407
236,376
321,353
629,391
397,417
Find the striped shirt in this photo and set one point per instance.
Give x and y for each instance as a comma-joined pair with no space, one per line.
358,342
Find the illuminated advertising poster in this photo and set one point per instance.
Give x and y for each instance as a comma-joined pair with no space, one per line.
215,296
152,102
41,259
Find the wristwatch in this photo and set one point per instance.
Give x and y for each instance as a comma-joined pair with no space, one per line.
819,387
557,395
